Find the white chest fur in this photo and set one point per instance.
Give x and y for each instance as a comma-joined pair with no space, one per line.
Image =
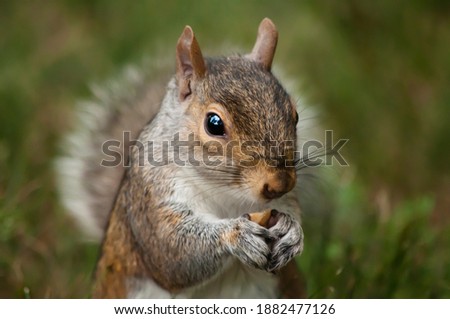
210,202
236,281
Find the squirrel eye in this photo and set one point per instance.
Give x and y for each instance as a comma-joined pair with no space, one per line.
296,117
214,125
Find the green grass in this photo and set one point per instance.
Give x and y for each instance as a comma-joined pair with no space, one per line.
379,72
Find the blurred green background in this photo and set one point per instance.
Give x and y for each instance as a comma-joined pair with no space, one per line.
379,72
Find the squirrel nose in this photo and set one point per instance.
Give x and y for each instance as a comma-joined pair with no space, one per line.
278,184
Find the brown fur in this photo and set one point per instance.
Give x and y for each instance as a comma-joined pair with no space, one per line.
119,260
292,283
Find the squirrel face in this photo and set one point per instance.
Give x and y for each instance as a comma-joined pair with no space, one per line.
240,113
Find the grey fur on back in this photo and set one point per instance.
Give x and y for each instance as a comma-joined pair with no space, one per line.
88,189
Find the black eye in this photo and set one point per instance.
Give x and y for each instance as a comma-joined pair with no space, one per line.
296,117
214,125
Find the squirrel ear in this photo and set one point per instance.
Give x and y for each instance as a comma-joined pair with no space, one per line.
190,62
266,43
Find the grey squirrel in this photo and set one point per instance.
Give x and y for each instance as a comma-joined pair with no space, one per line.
185,231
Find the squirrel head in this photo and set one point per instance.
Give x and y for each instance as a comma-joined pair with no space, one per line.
239,111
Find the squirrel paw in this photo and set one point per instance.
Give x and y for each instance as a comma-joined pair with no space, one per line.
288,240
248,241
